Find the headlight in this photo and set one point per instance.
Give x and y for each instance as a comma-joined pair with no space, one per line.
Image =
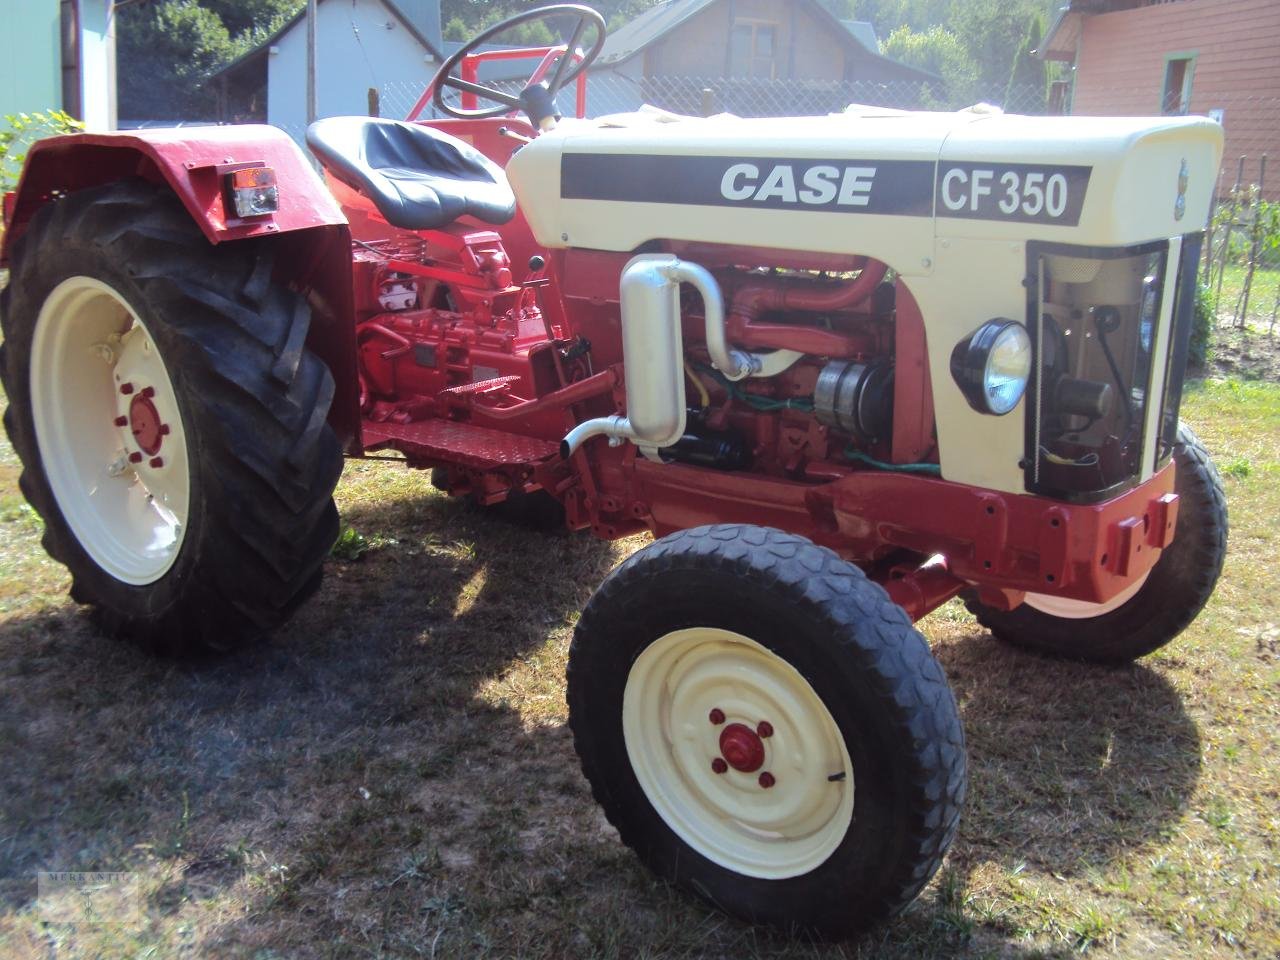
992,366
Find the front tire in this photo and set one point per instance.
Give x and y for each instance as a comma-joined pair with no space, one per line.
170,422
1154,610
766,729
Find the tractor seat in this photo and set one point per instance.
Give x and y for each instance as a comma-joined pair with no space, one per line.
417,177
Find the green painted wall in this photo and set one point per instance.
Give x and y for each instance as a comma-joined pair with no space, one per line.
30,55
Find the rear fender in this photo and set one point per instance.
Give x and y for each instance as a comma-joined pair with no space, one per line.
313,240
192,160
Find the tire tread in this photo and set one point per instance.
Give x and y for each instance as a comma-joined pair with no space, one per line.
240,346
887,645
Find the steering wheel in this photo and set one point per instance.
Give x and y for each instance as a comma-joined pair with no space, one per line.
564,71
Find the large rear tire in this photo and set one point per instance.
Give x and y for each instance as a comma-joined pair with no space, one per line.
766,729
1154,610
170,422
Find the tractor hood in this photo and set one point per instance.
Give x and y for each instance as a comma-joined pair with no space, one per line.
882,182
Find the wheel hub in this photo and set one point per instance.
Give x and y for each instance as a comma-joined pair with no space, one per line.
103,405
699,706
145,425
742,748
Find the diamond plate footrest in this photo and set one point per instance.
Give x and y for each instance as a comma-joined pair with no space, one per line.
480,386
480,448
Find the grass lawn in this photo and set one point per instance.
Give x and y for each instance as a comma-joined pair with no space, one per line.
392,775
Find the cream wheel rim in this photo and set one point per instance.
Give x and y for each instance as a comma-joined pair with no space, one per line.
1068,609
737,753
109,430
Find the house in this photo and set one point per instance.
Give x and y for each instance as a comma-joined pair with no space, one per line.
60,54
1211,57
770,54
361,46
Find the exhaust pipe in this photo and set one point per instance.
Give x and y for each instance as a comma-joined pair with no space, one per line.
653,354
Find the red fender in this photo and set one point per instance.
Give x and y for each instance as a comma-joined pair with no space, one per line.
188,159
314,253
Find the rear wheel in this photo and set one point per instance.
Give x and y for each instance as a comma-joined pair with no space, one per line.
766,729
1154,609
170,422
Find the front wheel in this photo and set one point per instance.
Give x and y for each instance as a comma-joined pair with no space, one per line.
766,729
170,421
1154,609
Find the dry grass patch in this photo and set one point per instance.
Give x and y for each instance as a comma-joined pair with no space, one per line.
392,775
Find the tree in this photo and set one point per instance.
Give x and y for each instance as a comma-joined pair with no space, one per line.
887,15
455,29
167,51
249,17
992,30
988,32
840,9
939,51
1028,79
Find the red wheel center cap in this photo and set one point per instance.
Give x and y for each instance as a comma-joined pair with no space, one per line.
144,424
742,748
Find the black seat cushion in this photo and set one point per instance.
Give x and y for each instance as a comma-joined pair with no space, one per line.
417,177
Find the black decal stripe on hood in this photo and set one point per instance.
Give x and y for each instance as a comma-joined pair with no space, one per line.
898,187
1010,192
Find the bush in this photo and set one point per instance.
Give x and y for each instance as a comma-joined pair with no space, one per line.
20,130
1203,319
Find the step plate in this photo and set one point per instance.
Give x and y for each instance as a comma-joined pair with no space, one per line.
478,447
482,386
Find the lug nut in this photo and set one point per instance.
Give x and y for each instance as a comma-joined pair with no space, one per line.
121,421
148,392
718,765
766,780
716,716
156,463
765,729
164,429
126,388
135,457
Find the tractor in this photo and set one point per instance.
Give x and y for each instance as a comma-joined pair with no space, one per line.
842,368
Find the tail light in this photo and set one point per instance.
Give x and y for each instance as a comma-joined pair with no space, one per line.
254,192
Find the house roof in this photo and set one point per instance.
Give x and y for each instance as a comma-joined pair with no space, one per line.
261,50
1063,35
653,24
864,33
658,21
1060,39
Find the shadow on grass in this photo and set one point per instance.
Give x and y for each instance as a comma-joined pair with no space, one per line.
364,784
1070,764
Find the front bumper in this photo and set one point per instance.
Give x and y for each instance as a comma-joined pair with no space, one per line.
997,542
1012,542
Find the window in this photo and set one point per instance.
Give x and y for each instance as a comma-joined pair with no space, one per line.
1178,70
751,49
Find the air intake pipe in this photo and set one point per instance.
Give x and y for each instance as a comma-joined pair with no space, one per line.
653,353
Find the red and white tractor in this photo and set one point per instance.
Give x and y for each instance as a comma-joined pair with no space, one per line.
842,368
